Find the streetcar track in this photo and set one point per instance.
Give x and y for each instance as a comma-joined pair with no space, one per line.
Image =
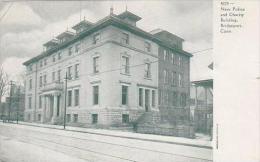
79,148
135,138
139,148
108,143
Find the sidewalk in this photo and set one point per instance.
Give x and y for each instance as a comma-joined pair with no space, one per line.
131,135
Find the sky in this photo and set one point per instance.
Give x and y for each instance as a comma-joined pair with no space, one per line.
29,24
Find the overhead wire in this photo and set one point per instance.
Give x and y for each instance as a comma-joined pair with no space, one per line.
7,10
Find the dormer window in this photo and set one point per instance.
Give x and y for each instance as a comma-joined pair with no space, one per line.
96,38
81,26
50,44
65,36
129,18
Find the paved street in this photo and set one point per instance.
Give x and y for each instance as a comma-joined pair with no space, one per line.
27,143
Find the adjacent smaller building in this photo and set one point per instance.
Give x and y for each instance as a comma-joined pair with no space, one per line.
202,106
14,105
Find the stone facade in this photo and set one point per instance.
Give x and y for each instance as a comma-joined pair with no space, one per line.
113,74
45,97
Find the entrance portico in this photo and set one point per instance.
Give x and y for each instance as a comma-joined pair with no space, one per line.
51,110
52,103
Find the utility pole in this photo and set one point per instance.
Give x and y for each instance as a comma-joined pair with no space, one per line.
65,101
10,100
18,105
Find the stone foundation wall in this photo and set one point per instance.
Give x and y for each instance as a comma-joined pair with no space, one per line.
106,117
179,131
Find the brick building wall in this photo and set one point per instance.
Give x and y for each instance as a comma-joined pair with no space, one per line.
173,88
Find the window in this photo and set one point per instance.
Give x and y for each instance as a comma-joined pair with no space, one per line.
175,98
179,60
41,63
29,102
45,61
30,84
125,118
183,99
40,81
124,95
59,75
172,57
76,97
172,78
53,76
94,118
180,80
68,118
29,116
165,55
76,71
96,64
166,98
147,47
147,70
125,64
59,55
69,97
45,79
69,72
77,48
96,38
141,97
39,117
182,62
75,118
153,98
70,51
165,76
160,96
53,58
40,102
95,95
125,38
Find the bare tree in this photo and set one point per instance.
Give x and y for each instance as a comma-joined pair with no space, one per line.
3,86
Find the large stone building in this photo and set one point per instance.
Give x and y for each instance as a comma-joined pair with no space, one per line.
114,70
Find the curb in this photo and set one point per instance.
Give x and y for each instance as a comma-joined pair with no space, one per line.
110,135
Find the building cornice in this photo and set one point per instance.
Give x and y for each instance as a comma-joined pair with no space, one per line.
109,20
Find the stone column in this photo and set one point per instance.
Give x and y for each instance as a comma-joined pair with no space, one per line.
47,108
143,98
196,97
44,109
54,115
